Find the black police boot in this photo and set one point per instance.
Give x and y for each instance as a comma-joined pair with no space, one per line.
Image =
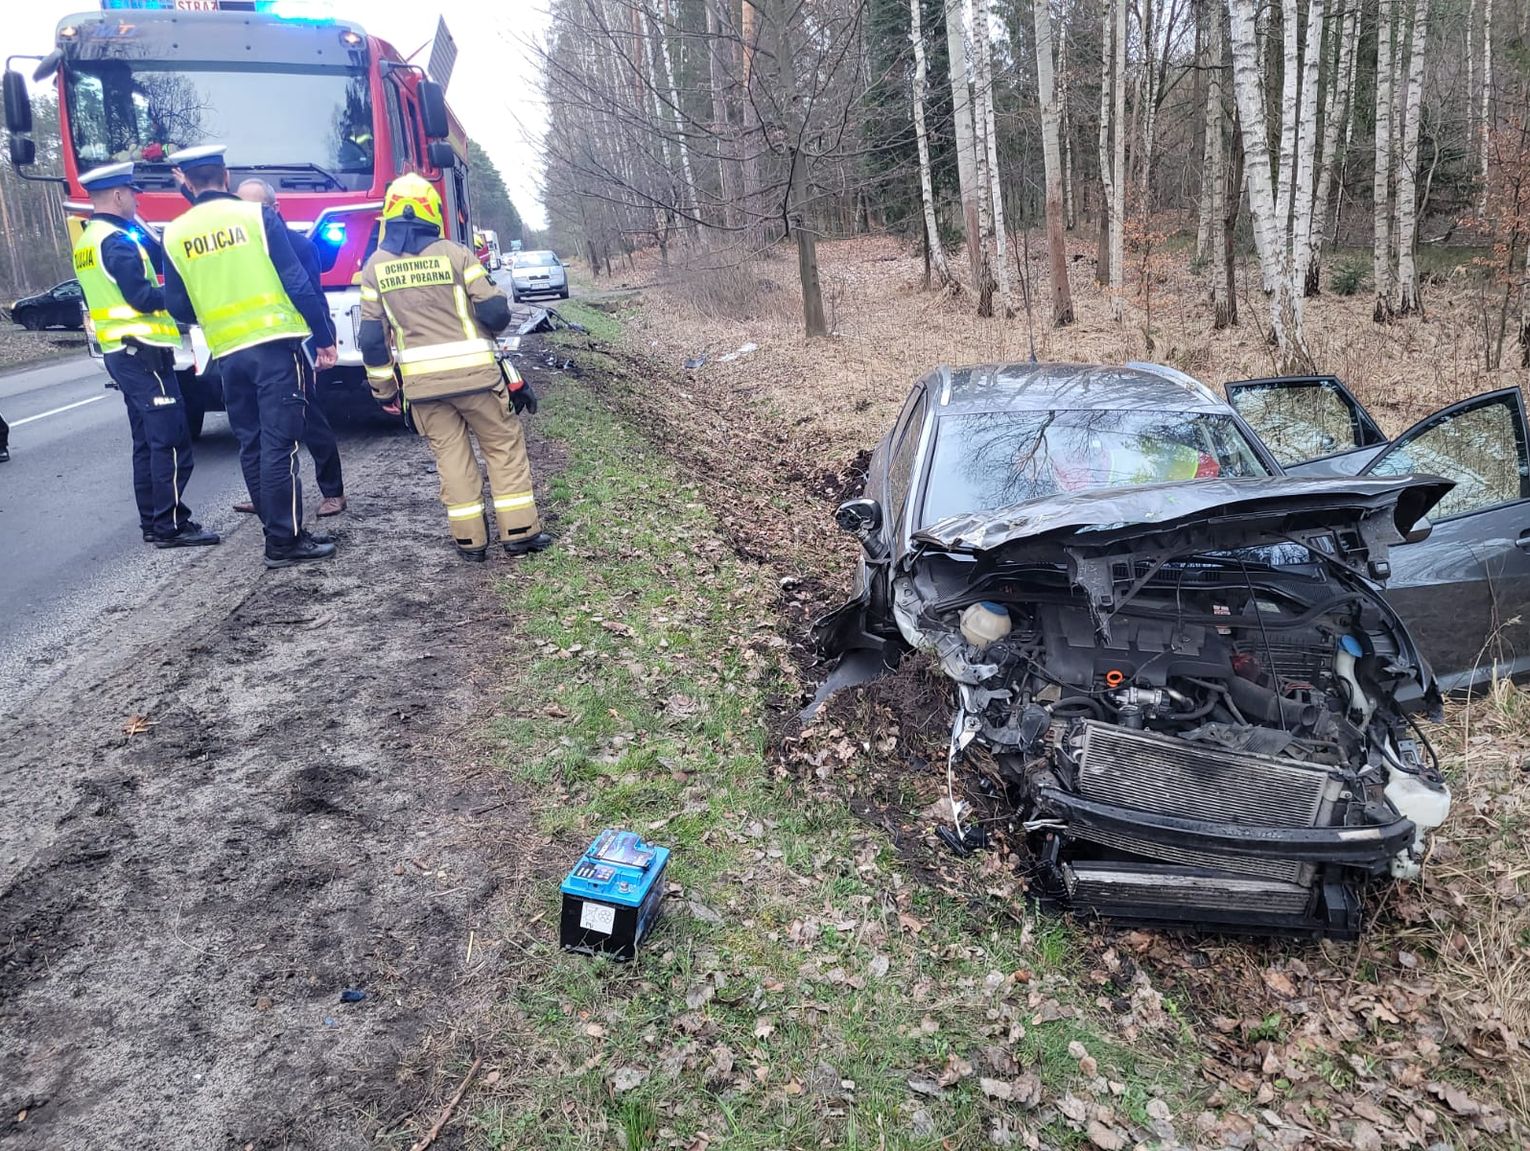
301,550
191,535
537,543
5,455
474,555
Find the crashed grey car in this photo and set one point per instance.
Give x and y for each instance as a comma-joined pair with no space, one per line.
1179,656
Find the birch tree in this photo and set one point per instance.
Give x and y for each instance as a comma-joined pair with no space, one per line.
1381,251
1106,245
1304,164
1118,178
990,197
1263,193
1062,297
1338,112
931,229
1213,205
1487,85
966,136
1211,138
1407,170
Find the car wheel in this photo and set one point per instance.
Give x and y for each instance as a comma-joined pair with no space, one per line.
514,299
31,321
563,295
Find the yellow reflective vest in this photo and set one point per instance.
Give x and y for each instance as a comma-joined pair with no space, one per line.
113,318
219,249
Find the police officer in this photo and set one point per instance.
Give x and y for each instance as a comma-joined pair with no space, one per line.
138,337
319,437
439,305
229,267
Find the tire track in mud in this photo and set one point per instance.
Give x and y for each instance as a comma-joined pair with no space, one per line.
180,909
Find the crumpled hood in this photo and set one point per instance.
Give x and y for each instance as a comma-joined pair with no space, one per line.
1225,513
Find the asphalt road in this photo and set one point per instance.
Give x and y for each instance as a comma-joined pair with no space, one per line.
70,546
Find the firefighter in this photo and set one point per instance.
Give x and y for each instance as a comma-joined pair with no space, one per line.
440,307
230,268
138,337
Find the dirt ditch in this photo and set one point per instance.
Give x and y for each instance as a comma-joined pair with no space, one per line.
250,794
1406,1038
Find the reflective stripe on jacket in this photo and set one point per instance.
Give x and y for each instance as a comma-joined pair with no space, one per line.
426,301
219,249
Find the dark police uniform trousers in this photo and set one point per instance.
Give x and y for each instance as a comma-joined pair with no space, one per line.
161,440
319,437
268,410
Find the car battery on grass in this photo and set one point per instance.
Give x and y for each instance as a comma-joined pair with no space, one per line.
611,898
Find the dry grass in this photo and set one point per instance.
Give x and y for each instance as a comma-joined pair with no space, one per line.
887,331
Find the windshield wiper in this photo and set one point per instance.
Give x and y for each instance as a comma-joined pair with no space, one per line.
333,181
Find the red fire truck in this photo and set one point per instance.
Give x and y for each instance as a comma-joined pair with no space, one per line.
325,113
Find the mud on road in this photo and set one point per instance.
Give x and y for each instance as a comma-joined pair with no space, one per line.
309,807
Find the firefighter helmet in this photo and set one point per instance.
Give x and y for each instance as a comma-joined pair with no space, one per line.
412,196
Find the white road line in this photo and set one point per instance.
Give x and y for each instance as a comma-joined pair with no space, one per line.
58,411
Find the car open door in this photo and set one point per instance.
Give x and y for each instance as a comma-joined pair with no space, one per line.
1465,591
1311,424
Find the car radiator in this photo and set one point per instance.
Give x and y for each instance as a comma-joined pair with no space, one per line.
1124,885
1167,776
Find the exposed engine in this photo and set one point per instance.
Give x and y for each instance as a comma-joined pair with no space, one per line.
1213,739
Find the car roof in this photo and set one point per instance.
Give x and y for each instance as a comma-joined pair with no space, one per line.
1061,387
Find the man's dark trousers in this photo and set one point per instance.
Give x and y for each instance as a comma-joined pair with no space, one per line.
320,440
161,440
263,393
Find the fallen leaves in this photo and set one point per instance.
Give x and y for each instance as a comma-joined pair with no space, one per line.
627,1079
137,725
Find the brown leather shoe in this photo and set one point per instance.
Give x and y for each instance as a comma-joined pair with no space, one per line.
331,505
247,507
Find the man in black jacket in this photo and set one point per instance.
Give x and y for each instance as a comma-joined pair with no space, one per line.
230,267
318,436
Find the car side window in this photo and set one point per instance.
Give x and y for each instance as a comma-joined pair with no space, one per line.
904,456
1480,446
1302,420
67,292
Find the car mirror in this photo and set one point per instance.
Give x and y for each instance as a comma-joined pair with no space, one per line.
861,518
1421,530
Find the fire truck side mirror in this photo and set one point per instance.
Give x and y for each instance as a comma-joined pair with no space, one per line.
18,105
23,152
442,155
433,110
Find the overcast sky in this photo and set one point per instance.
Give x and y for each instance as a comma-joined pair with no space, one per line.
495,89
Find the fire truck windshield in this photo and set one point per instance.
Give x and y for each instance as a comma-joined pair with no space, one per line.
317,123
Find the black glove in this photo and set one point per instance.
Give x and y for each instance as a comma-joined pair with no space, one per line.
523,399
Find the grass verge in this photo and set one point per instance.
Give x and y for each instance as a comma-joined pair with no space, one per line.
801,990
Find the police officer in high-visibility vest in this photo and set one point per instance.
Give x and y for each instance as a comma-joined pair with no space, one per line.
440,307
138,338
230,268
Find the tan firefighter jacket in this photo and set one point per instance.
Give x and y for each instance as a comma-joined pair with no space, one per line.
425,302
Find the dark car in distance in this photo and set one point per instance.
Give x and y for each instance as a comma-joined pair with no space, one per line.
61,306
1196,667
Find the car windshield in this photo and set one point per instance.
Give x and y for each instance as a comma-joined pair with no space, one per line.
989,460
536,260
269,116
